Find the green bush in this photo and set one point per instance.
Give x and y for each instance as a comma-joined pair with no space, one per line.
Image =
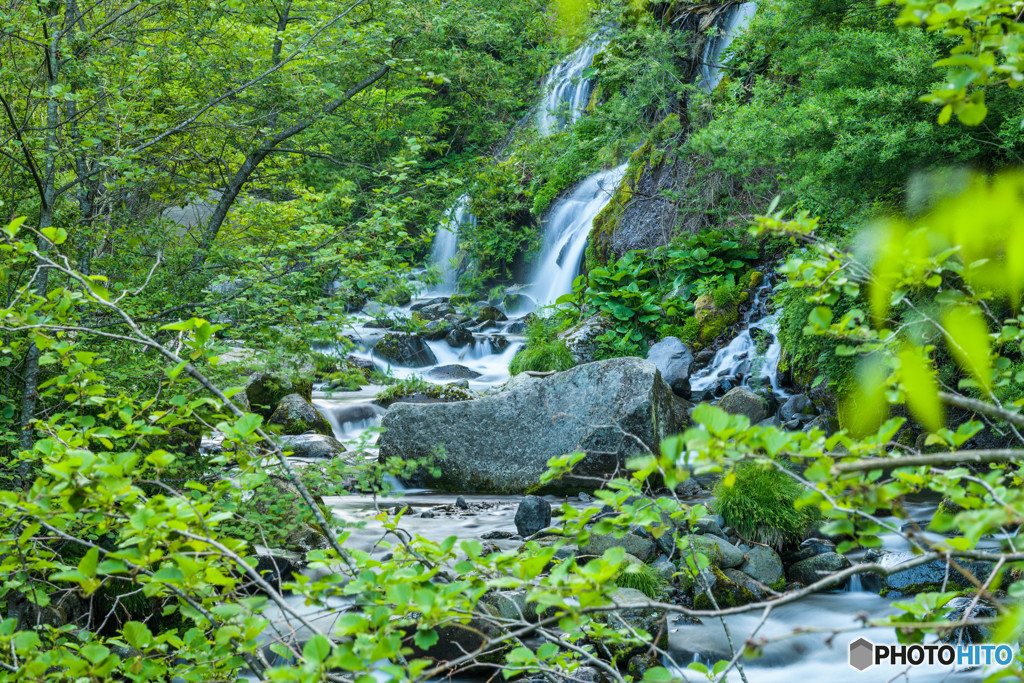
760,506
642,578
543,352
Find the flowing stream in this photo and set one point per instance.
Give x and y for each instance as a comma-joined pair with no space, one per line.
712,63
812,634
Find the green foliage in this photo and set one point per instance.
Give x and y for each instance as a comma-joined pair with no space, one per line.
642,578
543,351
758,501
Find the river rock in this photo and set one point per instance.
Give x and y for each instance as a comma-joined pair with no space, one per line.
674,361
453,371
816,568
264,390
641,548
355,412
501,443
513,605
581,338
435,330
929,577
721,552
436,311
765,565
312,446
634,613
491,314
795,405
727,593
532,515
459,337
404,349
296,415
420,305
743,401
747,581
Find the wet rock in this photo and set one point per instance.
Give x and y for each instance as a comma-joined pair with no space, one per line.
453,371
794,406
974,633
642,548
532,515
674,361
809,548
820,423
407,350
709,525
750,583
435,330
633,613
501,443
718,550
513,605
274,569
726,592
516,302
815,568
581,338
498,343
516,327
461,503
765,565
930,576
704,357
264,390
296,415
664,568
459,337
436,311
491,314
497,535
420,305
743,401
640,664
362,363
356,412
312,446
772,421
456,639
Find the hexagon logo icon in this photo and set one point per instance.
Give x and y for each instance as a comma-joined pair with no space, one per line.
862,654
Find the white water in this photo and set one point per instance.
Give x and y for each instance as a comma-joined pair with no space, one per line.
566,229
740,358
445,249
566,90
736,18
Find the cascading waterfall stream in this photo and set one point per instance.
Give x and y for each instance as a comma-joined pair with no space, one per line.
736,18
566,230
446,246
567,91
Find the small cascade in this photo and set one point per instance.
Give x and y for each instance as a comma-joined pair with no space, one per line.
752,357
567,91
566,230
735,19
446,246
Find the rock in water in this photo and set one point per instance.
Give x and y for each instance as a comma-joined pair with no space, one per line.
743,401
534,514
501,443
674,360
296,415
312,446
404,349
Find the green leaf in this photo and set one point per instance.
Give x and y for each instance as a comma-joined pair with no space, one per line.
316,649
922,389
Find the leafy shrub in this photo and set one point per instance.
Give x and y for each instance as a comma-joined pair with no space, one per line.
760,505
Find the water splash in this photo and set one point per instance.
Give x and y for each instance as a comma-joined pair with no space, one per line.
566,230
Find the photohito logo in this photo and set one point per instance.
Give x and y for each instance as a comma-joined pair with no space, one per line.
864,654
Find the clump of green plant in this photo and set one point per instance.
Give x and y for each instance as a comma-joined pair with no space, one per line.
544,351
642,578
759,502
397,294
613,345
415,385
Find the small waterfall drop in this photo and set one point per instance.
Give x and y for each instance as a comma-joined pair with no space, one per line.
566,230
736,18
446,246
567,91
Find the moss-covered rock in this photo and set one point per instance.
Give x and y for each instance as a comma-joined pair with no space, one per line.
296,415
264,390
727,593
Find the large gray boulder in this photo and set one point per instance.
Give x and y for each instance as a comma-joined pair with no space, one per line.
501,443
674,361
743,401
765,565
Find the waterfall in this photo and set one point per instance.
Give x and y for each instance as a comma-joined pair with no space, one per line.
736,18
566,229
446,245
567,90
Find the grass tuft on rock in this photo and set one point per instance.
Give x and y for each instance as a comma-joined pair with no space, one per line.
642,578
760,506
544,351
